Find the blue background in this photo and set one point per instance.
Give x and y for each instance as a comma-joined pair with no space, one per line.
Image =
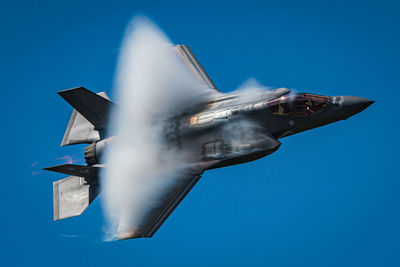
328,197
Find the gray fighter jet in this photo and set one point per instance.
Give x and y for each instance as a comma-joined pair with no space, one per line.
255,123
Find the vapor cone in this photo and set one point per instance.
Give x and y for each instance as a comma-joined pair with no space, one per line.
152,84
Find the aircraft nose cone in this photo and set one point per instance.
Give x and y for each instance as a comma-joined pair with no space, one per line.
352,105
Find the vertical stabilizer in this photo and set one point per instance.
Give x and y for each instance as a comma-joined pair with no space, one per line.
72,196
79,131
89,118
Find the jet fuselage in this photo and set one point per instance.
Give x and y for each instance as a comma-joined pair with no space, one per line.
238,128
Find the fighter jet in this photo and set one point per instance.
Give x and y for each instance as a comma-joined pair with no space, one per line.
206,130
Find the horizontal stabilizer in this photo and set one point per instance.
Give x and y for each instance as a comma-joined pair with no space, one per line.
91,106
90,172
72,196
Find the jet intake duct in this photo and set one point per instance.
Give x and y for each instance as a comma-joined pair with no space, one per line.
93,152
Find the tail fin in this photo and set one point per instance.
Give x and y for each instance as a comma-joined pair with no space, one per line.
79,131
89,118
72,195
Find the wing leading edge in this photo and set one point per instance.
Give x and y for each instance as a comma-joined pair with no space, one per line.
194,65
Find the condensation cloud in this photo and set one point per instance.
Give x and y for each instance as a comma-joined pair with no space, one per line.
152,84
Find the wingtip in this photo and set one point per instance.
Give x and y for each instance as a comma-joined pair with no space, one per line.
52,168
62,92
127,235
130,233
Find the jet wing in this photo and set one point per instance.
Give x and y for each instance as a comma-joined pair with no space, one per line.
157,213
193,64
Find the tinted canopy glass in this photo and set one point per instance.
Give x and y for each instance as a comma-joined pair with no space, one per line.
298,104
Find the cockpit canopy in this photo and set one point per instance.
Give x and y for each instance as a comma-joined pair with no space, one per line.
299,104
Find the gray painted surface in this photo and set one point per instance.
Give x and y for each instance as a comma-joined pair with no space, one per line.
194,65
72,195
79,129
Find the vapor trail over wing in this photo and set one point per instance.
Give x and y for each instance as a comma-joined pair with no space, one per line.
146,178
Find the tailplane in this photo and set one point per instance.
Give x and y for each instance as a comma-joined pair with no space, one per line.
72,195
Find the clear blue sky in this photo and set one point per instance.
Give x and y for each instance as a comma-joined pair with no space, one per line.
328,197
